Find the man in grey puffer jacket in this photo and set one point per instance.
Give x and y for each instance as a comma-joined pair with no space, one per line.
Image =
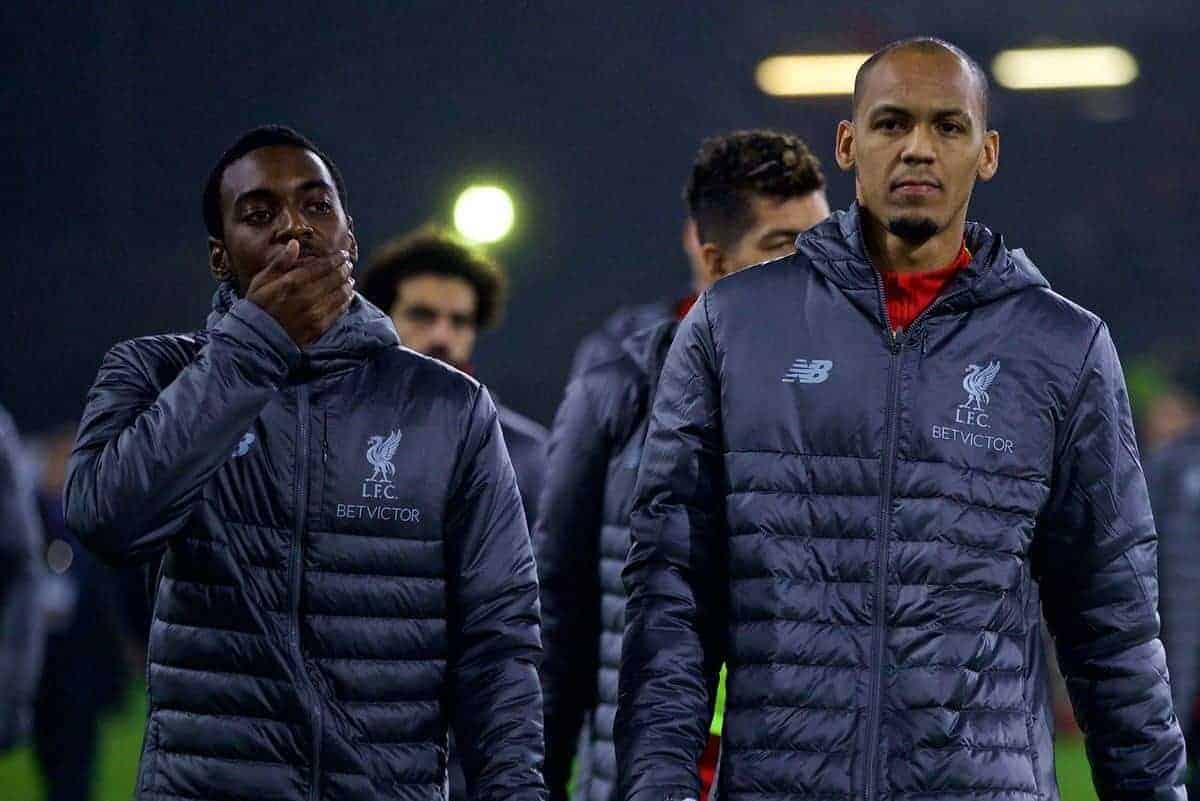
749,194
347,568
869,466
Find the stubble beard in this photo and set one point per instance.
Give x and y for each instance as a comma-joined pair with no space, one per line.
913,230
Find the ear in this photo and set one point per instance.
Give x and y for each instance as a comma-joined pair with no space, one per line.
844,149
218,260
714,262
989,159
690,237
353,239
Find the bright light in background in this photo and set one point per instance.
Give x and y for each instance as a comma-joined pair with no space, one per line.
1065,68
809,75
484,214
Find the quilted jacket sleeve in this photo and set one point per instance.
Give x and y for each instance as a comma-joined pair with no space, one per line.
675,578
21,629
1095,559
142,456
567,543
496,701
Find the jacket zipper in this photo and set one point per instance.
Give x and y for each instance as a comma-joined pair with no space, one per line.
301,496
875,702
896,348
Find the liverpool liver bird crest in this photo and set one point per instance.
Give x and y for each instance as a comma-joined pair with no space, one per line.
380,451
976,383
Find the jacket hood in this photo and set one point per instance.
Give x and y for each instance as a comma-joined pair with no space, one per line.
837,249
356,336
648,347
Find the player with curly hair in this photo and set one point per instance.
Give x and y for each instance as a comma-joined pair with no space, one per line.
749,195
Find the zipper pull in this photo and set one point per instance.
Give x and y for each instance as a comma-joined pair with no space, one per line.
324,437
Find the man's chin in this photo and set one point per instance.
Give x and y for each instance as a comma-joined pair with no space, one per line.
913,229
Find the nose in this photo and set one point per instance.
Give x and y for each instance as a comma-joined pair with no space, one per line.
293,225
918,146
442,331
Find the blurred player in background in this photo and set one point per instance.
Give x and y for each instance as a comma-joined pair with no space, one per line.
95,616
441,295
1173,473
749,195
21,626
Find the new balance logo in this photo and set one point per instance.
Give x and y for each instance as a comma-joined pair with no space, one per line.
804,371
243,446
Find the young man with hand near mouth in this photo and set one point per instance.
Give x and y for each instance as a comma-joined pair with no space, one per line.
347,569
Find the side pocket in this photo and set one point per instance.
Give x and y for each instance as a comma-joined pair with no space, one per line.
1035,689
145,777
1033,752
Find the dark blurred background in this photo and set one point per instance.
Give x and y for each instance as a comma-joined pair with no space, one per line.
589,114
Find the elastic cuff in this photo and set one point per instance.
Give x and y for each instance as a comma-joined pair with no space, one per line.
265,328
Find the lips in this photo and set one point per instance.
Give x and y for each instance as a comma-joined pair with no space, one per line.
917,185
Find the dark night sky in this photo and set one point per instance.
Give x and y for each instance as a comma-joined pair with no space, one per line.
590,113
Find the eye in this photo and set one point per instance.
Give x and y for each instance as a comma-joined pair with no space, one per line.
321,207
257,217
420,315
948,127
462,321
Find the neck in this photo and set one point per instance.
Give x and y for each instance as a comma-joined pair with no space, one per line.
890,253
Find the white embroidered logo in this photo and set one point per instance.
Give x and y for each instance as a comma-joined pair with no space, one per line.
380,451
804,371
973,413
243,446
976,383
379,487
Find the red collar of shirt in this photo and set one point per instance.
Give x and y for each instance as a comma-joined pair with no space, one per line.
909,294
684,305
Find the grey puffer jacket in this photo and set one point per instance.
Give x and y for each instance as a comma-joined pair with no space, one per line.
864,527
347,567
581,539
1174,477
606,343
526,442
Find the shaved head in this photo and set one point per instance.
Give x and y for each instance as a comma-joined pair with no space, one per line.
924,44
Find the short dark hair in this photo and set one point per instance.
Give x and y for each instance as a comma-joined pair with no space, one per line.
927,44
434,251
255,138
730,168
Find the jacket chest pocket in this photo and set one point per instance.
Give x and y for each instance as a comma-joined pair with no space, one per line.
988,415
379,477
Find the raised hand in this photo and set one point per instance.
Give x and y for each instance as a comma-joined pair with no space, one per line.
304,295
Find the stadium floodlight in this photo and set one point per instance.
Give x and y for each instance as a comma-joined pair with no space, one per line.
1095,67
484,214
809,75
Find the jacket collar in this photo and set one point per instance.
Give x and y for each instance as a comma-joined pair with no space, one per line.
838,250
361,332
